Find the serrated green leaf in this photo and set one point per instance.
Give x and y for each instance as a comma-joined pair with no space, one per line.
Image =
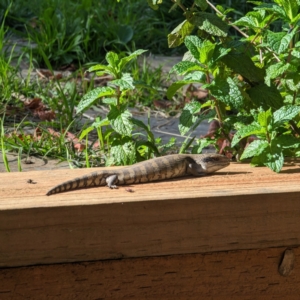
202,143
265,96
190,78
292,81
296,53
279,41
264,118
187,117
219,52
285,114
255,20
206,52
227,91
286,141
297,45
275,70
120,120
248,21
112,58
296,20
272,8
258,160
254,149
123,151
125,60
220,9
91,97
193,43
105,70
125,83
209,23
291,7
274,159
252,129
177,36
187,56
202,4
196,76
242,64
97,68
185,66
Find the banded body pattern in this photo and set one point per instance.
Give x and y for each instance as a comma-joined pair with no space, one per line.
160,168
86,181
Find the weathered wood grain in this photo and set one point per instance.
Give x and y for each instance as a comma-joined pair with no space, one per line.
237,208
233,275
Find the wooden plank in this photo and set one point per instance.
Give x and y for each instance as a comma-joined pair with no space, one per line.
239,208
233,275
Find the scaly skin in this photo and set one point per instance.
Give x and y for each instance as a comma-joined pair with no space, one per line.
157,169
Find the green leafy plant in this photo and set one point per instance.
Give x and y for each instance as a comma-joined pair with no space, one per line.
252,78
274,138
7,72
3,148
123,145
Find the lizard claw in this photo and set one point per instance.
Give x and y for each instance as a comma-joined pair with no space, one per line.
112,186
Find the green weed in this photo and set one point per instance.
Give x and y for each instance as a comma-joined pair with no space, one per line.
124,146
3,147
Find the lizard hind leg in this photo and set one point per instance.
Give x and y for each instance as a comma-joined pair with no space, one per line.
111,181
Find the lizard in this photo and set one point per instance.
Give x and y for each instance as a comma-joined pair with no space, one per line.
156,169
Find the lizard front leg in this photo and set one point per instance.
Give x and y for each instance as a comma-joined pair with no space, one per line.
195,169
111,180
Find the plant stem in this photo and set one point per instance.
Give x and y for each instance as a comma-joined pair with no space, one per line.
216,101
235,27
118,92
180,5
294,127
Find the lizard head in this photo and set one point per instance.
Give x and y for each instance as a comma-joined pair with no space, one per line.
211,163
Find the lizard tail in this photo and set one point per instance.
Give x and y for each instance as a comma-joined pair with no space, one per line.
90,180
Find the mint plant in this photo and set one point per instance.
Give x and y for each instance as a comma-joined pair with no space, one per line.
121,142
274,140
252,77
